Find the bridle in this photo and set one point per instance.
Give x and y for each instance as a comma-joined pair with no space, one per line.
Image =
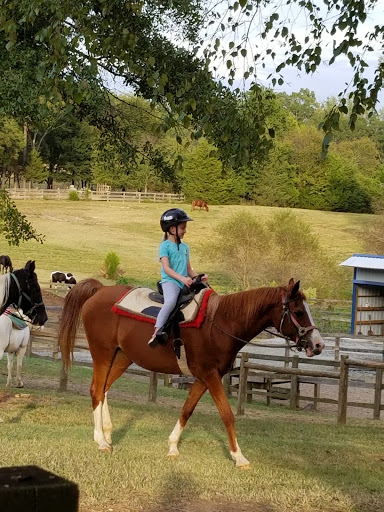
22,294
301,331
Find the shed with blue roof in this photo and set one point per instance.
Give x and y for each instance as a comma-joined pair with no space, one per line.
368,294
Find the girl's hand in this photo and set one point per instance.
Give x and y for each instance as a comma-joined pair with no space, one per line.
204,278
187,281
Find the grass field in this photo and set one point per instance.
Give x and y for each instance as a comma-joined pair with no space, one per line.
80,234
300,462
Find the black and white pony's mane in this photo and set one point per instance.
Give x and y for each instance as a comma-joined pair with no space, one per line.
5,281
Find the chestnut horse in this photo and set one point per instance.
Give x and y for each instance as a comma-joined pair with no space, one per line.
115,342
199,203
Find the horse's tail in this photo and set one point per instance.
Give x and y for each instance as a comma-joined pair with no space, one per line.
70,317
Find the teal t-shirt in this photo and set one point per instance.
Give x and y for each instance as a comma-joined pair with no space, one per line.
178,260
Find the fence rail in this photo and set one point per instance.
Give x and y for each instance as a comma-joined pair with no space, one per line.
138,197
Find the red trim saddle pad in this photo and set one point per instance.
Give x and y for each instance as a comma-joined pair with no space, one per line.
195,319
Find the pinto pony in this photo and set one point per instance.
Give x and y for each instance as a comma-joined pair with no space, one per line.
230,322
200,204
14,341
5,264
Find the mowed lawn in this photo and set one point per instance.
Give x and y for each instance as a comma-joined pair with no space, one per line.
300,461
78,235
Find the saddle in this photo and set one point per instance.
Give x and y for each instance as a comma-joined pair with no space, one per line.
16,317
172,325
140,304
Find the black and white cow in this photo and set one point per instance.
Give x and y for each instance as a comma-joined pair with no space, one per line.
62,278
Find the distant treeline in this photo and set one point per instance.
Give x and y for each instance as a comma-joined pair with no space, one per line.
297,172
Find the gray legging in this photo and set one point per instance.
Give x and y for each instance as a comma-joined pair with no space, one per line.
171,292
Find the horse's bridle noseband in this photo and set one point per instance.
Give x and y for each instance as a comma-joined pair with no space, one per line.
301,331
22,294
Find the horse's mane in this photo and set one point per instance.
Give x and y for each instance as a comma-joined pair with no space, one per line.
250,302
5,281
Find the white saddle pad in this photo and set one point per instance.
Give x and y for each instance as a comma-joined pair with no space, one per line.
137,299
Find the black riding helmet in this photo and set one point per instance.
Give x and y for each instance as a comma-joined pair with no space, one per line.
173,217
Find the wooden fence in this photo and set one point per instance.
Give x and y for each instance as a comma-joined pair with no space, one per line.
138,197
256,378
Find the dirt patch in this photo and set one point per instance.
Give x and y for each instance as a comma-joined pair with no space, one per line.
53,298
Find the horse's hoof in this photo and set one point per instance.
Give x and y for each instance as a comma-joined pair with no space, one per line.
20,385
245,466
173,456
106,448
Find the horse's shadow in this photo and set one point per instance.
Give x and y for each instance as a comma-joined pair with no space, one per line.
120,433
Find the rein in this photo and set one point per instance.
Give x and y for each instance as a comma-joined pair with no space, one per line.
22,294
301,331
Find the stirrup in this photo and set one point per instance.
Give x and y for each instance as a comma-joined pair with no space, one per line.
153,341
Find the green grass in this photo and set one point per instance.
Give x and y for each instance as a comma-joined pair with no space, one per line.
80,234
301,462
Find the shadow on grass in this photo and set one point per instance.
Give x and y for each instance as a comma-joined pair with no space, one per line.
181,493
120,433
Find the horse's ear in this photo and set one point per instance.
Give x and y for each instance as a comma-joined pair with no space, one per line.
295,288
30,266
291,283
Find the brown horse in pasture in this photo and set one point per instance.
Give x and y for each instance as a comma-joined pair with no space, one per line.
199,203
230,321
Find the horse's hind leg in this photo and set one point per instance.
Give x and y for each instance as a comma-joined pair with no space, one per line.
196,392
119,365
103,377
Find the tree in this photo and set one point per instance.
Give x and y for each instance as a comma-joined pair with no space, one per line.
13,225
302,104
35,170
180,54
203,177
11,144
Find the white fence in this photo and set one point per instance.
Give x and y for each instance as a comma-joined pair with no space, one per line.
138,197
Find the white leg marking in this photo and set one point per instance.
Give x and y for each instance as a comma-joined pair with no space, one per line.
174,439
238,457
19,366
107,423
10,367
98,434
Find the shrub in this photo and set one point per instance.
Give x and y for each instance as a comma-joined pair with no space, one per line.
111,265
122,280
73,195
87,194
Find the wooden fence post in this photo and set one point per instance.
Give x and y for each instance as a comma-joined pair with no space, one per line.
152,393
242,384
63,379
378,386
337,350
287,352
294,395
343,391
226,383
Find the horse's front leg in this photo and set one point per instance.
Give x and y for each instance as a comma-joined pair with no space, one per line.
216,389
9,367
196,392
19,366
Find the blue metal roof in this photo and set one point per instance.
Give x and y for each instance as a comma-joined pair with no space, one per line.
372,261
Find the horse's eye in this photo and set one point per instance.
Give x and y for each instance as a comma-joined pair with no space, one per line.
299,312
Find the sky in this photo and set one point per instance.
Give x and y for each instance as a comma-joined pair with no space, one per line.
327,81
